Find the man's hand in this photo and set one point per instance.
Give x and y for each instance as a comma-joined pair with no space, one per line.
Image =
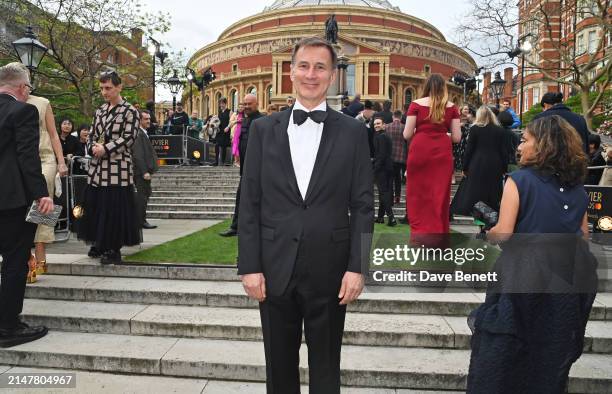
352,285
254,285
98,150
45,205
147,176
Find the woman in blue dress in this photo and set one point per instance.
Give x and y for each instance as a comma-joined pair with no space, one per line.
530,329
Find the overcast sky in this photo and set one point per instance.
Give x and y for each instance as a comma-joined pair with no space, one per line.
196,23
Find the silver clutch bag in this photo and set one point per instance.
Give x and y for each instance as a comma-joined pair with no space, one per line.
34,216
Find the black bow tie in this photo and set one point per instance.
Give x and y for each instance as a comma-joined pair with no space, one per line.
299,116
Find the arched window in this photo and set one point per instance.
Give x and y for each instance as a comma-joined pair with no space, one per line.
206,108
217,99
233,100
269,93
252,90
408,96
391,93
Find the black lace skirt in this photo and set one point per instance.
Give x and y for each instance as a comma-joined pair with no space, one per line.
110,218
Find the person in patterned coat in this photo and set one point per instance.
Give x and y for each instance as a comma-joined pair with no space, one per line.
109,220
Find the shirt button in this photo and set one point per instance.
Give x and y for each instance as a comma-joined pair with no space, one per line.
561,190
565,207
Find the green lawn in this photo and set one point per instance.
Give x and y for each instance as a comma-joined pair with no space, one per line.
208,247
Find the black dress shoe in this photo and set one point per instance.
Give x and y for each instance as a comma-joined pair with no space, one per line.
230,232
94,252
22,333
404,220
111,257
148,226
379,220
392,222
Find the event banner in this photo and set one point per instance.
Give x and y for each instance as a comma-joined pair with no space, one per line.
167,146
599,210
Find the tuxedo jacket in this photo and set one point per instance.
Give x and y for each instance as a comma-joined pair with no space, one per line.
275,221
20,168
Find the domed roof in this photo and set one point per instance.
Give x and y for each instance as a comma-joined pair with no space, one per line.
282,4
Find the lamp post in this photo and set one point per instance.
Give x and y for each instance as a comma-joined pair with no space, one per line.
523,47
498,85
191,76
156,52
175,84
342,66
30,51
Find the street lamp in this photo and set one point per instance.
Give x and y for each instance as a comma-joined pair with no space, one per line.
30,51
523,47
175,84
191,76
343,63
498,85
156,52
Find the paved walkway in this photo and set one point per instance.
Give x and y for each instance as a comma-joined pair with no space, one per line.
167,230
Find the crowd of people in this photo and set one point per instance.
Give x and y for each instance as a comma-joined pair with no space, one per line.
305,205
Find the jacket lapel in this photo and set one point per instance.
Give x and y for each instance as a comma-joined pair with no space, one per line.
325,149
282,139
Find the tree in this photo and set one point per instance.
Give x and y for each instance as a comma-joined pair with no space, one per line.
491,31
86,38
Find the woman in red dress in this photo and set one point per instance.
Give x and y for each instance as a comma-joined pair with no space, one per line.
430,159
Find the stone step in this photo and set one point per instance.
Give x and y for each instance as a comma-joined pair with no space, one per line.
231,294
193,193
366,329
193,182
104,383
382,367
192,200
189,215
192,207
201,189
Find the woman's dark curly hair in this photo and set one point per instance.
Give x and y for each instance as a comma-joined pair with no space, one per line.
559,150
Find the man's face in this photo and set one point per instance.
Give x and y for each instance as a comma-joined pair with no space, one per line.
109,91
194,115
505,105
145,120
290,101
379,125
23,91
312,74
368,113
222,106
250,105
179,108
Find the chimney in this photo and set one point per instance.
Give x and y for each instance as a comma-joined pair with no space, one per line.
508,76
486,82
136,35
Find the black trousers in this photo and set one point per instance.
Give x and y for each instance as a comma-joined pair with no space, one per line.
398,174
143,193
223,150
16,238
281,322
385,193
234,225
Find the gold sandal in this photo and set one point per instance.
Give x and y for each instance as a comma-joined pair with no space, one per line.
41,267
32,270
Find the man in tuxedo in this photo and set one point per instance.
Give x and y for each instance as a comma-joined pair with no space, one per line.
144,161
23,182
299,252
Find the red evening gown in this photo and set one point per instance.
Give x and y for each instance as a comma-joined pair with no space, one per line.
429,171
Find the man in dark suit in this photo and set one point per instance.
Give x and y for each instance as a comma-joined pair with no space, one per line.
144,161
299,253
383,171
552,102
23,182
222,140
251,112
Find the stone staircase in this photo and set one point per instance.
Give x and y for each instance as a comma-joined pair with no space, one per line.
196,322
209,193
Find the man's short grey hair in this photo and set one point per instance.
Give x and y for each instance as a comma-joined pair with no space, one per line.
14,74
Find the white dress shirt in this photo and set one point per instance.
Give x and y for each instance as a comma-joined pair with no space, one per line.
304,143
